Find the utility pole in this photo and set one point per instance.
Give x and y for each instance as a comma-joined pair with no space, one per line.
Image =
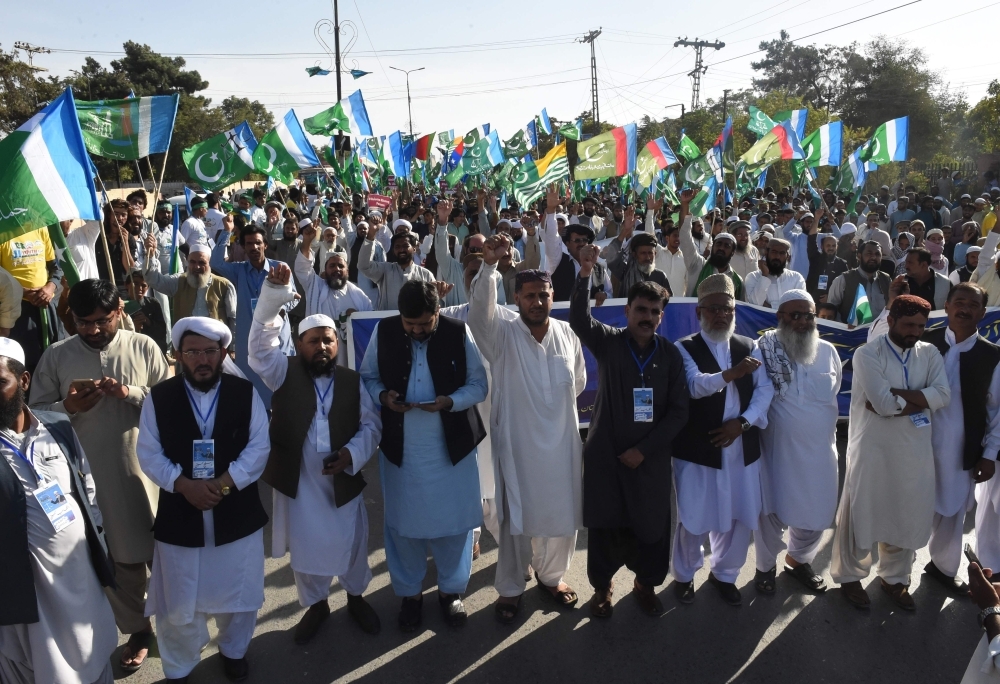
681,105
699,69
595,111
725,102
408,107
32,50
336,44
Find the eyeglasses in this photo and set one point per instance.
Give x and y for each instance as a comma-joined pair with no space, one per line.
799,315
197,354
716,310
99,323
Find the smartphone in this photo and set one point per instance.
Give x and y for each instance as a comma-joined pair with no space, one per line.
81,385
971,555
399,402
427,403
330,460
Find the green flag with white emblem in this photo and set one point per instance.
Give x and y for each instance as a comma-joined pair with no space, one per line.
223,159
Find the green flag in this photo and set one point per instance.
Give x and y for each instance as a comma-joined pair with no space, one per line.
285,150
517,145
63,256
696,171
571,131
127,129
687,148
760,123
533,176
455,175
223,159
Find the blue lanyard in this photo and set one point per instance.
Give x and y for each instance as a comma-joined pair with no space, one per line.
211,409
903,361
323,395
20,454
642,366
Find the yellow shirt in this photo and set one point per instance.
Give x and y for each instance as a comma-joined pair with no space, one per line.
24,258
989,221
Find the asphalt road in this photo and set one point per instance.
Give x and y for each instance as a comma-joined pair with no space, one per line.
790,637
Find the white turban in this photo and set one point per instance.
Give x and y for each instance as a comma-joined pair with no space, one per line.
199,247
849,228
204,326
11,349
563,218
401,222
305,222
316,321
795,295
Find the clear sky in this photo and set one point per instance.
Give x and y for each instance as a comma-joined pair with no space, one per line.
493,63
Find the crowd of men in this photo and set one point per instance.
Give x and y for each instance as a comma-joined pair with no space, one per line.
140,407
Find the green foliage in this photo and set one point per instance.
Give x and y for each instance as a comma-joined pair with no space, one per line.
983,123
21,91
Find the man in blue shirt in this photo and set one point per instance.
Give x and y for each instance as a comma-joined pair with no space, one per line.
248,277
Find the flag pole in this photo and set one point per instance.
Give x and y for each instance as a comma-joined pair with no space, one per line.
157,187
104,237
152,178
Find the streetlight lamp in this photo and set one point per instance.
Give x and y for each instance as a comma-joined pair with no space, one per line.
409,109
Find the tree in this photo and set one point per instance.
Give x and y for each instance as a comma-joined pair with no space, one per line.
983,123
21,91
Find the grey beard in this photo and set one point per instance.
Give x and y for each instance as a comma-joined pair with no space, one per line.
198,280
801,348
717,336
645,269
335,283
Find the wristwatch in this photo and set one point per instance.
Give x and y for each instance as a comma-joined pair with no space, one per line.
986,612
745,423
226,490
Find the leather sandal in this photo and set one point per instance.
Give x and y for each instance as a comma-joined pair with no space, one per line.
565,598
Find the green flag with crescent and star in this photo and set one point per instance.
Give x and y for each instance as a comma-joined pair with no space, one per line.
687,148
760,123
223,159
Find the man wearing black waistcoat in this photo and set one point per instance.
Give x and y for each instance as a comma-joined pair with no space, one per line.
203,440
716,455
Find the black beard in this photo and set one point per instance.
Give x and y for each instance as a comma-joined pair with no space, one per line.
319,366
698,234
404,260
202,385
775,268
588,212
720,262
10,410
864,267
335,283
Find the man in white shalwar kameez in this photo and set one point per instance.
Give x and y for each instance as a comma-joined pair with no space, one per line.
888,495
798,472
56,625
716,456
327,539
538,365
208,558
966,432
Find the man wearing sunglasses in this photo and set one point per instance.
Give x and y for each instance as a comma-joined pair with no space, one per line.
798,463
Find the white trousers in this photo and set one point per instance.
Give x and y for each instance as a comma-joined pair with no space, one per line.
729,552
181,645
945,545
987,535
490,521
853,564
315,588
550,557
768,542
13,672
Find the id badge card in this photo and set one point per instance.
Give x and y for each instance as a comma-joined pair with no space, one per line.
920,419
55,505
821,285
322,435
642,404
203,461
253,304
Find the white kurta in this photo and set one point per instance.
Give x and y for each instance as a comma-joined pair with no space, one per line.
323,299
710,499
953,485
209,579
766,290
798,474
319,535
75,634
889,485
539,461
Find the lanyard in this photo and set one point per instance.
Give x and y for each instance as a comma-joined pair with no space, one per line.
642,366
323,395
902,360
20,454
203,418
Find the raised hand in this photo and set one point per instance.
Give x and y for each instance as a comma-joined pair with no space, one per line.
495,248
686,195
151,244
443,288
280,274
309,233
372,231
628,224
551,199
588,257
227,222
444,211
654,204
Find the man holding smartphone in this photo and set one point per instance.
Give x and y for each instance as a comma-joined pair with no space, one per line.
324,428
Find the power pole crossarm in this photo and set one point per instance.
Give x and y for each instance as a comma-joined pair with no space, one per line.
699,68
595,111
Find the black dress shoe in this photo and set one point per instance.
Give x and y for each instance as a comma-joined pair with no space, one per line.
809,578
410,613
236,669
363,614
452,609
954,584
684,591
311,621
727,590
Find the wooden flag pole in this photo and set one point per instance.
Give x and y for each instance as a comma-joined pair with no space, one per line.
104,237
159,186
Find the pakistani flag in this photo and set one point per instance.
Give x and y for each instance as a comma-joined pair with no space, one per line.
608,154
823,147
698,169
851,174
128,129
861,311
517,145
223,159
285,150
706,198
572,131
890,142
686,148
780,143
532,177
484,155
797,117
475,135
760,123
347,116
45,173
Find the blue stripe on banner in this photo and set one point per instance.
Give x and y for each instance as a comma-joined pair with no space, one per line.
163,110
299,136
64,141
680,320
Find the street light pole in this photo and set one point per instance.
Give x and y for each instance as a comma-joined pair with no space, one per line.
409,107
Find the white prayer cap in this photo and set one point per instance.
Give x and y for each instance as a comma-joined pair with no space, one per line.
509,225
316,321
767,228
795,295
203,326
562,217
11,349
806,215
401,222
973,249
199,247
732,219
934,231
725,236
305,222
848,228
831,236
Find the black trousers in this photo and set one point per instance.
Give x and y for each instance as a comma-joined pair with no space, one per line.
609,549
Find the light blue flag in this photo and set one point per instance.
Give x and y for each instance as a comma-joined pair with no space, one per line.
503,200
543,118
270,187
797,117
495,151
188,196
532,131
396,158
762,180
